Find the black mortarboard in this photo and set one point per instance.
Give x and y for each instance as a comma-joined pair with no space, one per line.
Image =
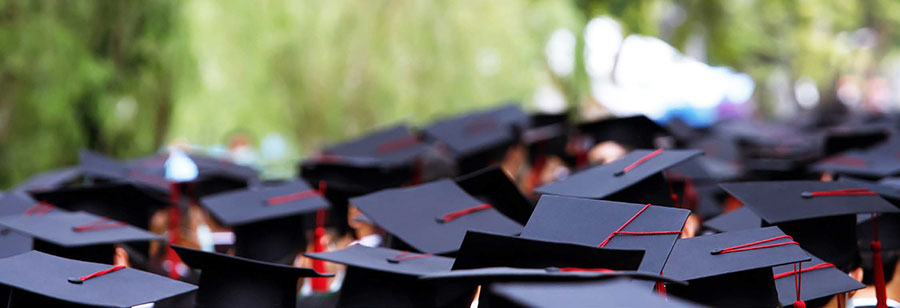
76,235
480,250
214,175
840,140
50,179
731,269
128,202
637,177
634,132
383,159
480,138
607,293
869,164
96,166
818,215
491,185
499,274
432,217
591,222
17,203
42,280
819,281
742,218
389,278
267,219
681,130
228,281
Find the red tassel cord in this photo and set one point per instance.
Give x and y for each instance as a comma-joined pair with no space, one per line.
82,279
619,230
319,285
404,256
638,162
878,266
454,215
99,224
839,192
39,208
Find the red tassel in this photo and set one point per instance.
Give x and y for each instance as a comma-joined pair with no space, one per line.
878,266
319,285
799,304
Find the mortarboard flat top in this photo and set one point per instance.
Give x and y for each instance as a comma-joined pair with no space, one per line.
742,218
377,259
388,147
590,222
414,215
693,258
76,229
868,164
96,165
818,281
480,250
479,131
266,202
48,276
493,186
50,179
634,131
611,293
783,201
16,203
601,181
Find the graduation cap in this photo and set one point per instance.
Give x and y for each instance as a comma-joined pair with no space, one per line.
883,187
818,215
432,217
268,220
382,159
123,201
548,134
634,132
42,280
491,185
609,293
18,203
732,269
76,235
819,281
214,175
385,277
609,224
50,179
636,177
742,218
480,138
228,281
869,164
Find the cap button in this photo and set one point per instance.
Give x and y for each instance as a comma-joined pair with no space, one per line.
619,173
440,220
392,260
806,194
552,269
75,280
716,252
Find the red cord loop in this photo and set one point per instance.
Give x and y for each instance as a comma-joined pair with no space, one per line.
309,193
579,269
811,268
81,279
39,208
396,144
454,215
99,224
402,257
745,247
639,162
619,230
839,192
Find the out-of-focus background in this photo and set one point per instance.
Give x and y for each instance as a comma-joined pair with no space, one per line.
268,81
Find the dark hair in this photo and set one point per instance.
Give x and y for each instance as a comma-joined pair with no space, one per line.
890,259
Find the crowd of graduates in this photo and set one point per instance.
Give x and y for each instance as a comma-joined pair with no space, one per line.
492,208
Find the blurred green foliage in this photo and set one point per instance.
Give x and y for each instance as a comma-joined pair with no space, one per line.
126,77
